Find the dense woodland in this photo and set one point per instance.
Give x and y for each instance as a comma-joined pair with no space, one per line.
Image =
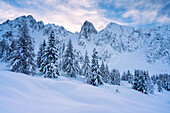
55,59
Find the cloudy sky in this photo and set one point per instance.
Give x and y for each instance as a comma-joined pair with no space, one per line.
72,13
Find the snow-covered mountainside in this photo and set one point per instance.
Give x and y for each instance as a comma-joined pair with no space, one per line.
20,93
122,47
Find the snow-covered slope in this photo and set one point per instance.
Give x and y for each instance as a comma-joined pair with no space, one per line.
121,38
20,93
122,47
158,44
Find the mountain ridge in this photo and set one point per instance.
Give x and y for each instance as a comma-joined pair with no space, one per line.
113,42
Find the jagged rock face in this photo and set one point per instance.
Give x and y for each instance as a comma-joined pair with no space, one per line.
120,38
11,27
87,31
159,44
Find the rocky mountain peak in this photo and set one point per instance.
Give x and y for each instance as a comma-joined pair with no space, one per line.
88,28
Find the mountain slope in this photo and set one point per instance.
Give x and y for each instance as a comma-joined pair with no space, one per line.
22,93
122,47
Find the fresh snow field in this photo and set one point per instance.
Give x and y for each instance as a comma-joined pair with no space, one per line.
20,93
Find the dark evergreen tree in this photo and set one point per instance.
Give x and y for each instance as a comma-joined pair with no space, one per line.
159,85
61,53
12,48
153,78
77,66
69,61
86,65
76,62
129,77
114,77
142,82
117,77
4,50
50,59
136,80
41,52
166,82
148,86
123,78
103,73
95,77
107,73
22,59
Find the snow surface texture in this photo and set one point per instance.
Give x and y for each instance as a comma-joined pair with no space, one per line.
122,47
20,93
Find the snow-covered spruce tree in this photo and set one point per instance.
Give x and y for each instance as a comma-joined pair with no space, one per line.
61,53
12,47
77,66
148,84
165,79
123,78
4,50
103,73
94,78
142,82
76,62
159,85
69,61
22,59
107,73
153,78
114,77
129,77
49,64
136,80
41,52
166,82
117,80
86,65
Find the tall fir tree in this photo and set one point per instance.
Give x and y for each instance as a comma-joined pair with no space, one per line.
103,72
95,77
61,54
129,77
50,59
166,82
107,73
22,59
135,80
123,78
142,82
153,78
76,62
86,65
12,48
77,66
69,61
4,50
114,77
41,52
159,85
117,77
